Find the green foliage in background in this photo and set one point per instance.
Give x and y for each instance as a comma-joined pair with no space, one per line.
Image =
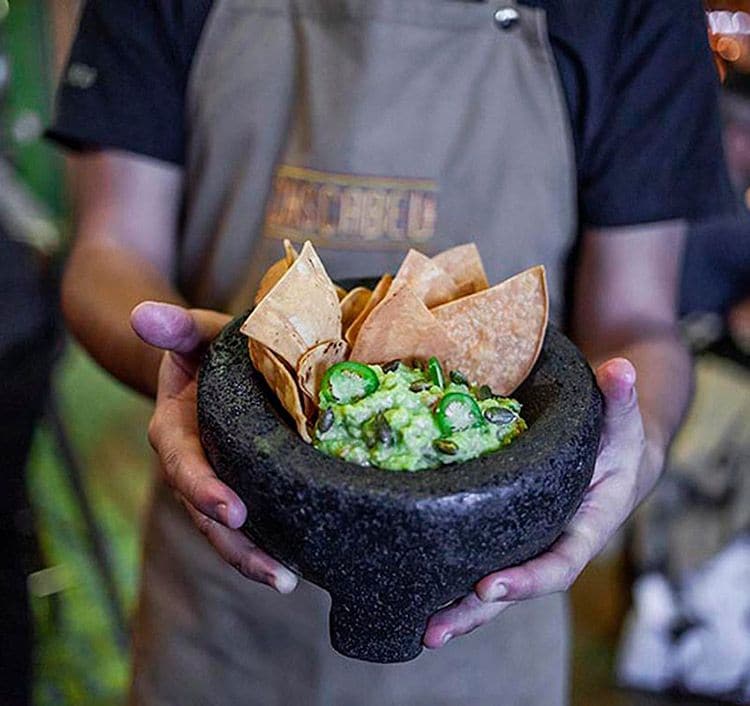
24,36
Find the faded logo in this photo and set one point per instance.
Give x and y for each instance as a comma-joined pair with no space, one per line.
340,210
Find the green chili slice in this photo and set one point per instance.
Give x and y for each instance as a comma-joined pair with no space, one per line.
436,372
347,382
456,412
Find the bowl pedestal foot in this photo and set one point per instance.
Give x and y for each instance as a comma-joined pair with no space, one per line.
370,631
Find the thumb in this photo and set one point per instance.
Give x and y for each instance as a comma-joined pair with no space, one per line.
616,379
175,328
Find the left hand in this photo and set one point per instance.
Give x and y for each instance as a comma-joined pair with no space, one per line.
624,474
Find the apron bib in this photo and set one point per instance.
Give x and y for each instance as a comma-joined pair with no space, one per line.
368,127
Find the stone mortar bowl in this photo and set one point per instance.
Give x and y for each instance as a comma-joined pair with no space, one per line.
391,548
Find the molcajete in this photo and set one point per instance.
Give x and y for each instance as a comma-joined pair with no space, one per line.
392,547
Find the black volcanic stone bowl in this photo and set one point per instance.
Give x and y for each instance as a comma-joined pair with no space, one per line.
392,547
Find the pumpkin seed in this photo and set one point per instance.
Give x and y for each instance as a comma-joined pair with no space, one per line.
445,446
458,377
499,415
326,421
485,393
384,431
391,366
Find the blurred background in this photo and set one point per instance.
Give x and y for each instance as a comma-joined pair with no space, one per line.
662,617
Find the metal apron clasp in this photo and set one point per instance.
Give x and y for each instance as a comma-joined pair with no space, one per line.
506,17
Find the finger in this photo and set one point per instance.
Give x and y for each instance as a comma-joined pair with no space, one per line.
553,571
236,549
460,618
606,505
616,379
187,470
175,328
623,438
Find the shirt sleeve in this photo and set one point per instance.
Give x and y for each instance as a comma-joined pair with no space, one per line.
657,151
124,83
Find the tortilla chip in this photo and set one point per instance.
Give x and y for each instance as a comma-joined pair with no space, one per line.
314,363
290,252
273,274
464,264
352,305
431,283
310,408
402,327
300,311
281,382
340,291
499,331
377,296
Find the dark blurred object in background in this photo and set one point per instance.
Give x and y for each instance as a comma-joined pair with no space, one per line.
716,271
28,345
29,336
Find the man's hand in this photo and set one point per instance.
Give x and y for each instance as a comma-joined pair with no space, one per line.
173,432
625,472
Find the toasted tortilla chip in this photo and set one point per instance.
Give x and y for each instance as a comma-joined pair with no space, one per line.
464,264
300,311
314,363
310,408
290,252
499,331
431,283
377,296
340,291
402,327
352,305
273,274
281,382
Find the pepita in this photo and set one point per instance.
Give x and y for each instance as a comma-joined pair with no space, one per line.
485,393
445,446
391,366
326,421
499,415
458,378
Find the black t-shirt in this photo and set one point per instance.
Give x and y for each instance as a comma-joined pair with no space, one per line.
639,80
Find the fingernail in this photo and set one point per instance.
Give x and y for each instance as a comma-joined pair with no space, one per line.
447,637
498,591
284,581
230,515
235,515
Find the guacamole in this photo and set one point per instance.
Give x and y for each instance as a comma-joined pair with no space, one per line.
408,418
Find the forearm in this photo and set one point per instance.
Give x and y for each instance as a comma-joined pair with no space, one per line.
624,305
101,285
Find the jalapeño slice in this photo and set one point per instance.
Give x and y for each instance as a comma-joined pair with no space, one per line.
347,382
456,412
436,372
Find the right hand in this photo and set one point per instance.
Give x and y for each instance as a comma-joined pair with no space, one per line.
215,508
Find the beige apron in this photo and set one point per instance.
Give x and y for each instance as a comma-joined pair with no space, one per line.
368,127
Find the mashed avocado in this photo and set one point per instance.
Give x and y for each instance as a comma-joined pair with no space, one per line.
406,418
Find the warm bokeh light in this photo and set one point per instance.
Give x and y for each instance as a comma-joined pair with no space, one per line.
729,36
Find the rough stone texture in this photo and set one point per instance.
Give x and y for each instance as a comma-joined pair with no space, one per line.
392,547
